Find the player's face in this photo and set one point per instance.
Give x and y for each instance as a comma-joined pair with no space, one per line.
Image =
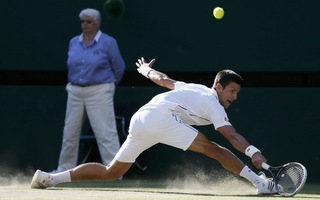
228,94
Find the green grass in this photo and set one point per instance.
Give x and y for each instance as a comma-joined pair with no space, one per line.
159,189
149,189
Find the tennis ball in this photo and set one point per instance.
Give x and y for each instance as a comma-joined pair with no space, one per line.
114,8
218,12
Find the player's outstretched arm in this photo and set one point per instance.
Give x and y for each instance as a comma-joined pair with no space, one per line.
242,145
155,76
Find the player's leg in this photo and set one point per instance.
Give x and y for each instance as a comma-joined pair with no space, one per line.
231,162
137,141
224,156
84,172
142,135
92,171
97,171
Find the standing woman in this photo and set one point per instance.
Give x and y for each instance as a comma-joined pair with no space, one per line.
95,67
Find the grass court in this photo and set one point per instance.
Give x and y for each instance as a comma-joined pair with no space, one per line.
147,189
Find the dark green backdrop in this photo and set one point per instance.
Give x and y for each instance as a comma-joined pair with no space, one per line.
263,35
254,36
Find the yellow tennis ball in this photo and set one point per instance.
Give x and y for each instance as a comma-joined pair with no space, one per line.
218,12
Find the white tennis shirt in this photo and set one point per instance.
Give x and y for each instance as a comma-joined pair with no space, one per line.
195,104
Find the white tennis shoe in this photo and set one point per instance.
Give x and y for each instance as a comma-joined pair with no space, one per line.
40,180
267,186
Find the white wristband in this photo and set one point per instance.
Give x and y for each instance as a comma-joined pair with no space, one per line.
144,71
250,150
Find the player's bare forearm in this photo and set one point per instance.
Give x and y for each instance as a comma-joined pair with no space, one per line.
145,68
161,79
240,143
237,140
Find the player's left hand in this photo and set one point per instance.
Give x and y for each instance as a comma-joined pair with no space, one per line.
142,63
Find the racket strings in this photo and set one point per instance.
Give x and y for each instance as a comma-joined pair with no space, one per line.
290,178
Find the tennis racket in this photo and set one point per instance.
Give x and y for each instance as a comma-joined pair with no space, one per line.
288,178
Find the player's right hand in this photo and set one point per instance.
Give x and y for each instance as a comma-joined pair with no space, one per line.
257,159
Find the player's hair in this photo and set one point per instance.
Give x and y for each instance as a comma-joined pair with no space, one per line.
227,76
90,12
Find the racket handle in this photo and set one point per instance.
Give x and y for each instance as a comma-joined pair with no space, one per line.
265,166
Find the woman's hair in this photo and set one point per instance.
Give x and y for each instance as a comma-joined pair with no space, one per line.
227,76
95,14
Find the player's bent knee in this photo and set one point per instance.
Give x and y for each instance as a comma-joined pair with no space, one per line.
116,170
114,177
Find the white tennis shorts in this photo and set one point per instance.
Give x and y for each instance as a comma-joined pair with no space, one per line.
149,127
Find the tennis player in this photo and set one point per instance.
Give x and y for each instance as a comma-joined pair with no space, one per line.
167,119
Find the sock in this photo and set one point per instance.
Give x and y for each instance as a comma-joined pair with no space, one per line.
61,177
247,173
